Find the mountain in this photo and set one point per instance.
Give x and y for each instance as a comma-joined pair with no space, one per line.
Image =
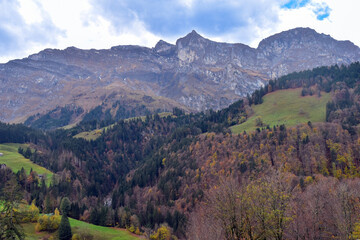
195,73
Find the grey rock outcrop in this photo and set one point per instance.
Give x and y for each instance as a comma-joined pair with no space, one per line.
195,72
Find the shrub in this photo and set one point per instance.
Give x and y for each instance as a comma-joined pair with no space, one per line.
48,222
82,234
29,214
163,233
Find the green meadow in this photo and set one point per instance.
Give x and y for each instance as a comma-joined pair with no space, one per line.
286,107
98,232
15,161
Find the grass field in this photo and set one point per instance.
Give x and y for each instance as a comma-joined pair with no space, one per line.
101,232
29,230
15,161
93,135
97,232
286,107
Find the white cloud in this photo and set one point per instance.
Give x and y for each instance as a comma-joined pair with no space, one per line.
80,24
30,12
186,3
344,19
84,28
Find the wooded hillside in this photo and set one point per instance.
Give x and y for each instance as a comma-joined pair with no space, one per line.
277,182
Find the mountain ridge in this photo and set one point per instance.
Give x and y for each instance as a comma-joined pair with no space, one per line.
195,73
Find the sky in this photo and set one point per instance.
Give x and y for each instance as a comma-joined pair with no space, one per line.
29,26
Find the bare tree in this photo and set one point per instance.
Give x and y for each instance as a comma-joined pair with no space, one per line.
223,215
258,210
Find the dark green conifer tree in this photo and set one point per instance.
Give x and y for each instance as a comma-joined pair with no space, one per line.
10,197
64,228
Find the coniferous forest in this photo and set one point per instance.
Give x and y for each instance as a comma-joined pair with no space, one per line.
189,174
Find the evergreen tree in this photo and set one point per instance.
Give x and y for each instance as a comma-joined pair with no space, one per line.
48,206
10,197
65,206
64,228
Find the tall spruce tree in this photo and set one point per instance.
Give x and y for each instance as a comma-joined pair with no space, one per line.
64,228
10,197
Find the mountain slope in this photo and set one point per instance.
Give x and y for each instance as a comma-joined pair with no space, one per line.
286,107
195,73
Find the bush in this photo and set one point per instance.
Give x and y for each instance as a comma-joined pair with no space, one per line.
131,228
29,214
259,122
163,233
82,235
48,222
75,237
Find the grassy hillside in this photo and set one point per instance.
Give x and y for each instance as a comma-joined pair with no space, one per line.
77,226
90,135
286,107
16,161
101,232
29,230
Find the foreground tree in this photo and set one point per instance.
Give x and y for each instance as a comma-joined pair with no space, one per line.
10,197
254,210
328,208
269,198
223,215
65,228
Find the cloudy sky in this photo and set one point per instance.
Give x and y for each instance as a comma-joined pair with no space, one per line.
28,26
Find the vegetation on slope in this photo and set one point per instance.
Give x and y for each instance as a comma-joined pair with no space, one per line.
58,117
15,161
94,134
286,107
80,227
146,173
100,232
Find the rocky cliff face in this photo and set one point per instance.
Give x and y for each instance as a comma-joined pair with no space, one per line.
195,73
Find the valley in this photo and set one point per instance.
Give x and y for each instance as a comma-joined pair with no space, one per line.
179,120
286,153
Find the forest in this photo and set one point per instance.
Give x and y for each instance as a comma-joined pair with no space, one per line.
190,174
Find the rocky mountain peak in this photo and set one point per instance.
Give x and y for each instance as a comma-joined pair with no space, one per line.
163,47
191,39
193,34
302,38
283,50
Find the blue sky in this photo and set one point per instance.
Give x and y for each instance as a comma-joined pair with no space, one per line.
28,26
